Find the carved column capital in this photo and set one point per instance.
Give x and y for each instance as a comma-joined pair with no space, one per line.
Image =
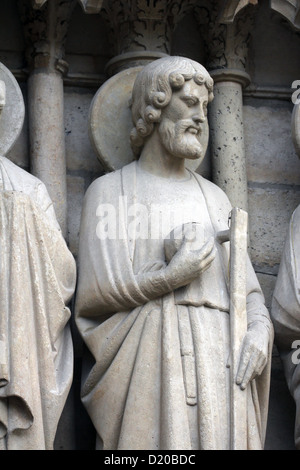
231,75
45,27
226,34
230,8
225,27
138,28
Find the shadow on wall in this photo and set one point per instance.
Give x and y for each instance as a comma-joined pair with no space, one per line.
281,419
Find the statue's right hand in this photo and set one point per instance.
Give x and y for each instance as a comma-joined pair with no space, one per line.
187,264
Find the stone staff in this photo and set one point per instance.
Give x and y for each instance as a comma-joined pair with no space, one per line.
237,235
3,345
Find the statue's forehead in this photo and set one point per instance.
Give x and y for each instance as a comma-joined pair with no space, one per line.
191,88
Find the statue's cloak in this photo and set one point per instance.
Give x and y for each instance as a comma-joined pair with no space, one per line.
37,280
153,362
286,313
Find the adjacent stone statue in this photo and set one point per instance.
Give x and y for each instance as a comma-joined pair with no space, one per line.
285,309
37,280
153,296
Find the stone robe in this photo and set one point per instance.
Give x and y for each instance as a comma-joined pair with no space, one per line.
285,313
37,280
157,377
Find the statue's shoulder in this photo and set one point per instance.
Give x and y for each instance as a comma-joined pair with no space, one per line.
23,181
211,188
104,182
296,215
295,220
111,183
15,173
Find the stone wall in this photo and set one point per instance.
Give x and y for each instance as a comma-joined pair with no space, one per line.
273,168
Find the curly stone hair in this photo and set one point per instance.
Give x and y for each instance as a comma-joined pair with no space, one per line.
153,89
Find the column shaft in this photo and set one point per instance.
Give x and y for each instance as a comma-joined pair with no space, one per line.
227,141
47,141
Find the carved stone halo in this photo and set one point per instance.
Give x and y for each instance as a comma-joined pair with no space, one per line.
12,115
110,122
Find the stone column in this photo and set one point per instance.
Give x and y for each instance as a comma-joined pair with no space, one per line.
227,136
140,31
227,47
45,27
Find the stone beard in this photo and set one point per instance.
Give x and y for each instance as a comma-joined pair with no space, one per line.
157,324
178,141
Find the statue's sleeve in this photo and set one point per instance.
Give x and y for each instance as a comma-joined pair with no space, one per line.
285,313
106,281
285,310
37,279
286,298
43,200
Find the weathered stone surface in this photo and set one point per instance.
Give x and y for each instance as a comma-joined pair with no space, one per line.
269,212
37,281
46,133
79,152
285,312
36,263
273,66
76,189
271,156
166,302
227,142
267,283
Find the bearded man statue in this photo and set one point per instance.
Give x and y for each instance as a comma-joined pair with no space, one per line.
153,302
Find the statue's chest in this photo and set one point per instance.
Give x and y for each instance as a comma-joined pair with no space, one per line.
163,205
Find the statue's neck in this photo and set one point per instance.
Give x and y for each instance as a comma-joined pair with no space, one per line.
156,160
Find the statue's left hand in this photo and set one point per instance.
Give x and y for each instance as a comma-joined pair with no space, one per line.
254,354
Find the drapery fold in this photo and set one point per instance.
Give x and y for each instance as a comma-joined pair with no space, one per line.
285,313
137,392
37,280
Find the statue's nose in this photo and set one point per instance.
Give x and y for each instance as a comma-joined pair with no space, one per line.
199,115
199,118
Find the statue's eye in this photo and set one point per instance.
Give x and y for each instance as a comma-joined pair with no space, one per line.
190,100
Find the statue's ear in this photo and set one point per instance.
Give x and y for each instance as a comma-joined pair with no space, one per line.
2,95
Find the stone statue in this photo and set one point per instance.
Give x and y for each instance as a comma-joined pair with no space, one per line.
37,280
285,310
152,302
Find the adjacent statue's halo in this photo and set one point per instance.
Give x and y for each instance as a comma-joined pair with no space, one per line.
110,122
12,115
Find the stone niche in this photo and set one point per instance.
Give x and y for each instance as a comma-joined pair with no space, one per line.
273,171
